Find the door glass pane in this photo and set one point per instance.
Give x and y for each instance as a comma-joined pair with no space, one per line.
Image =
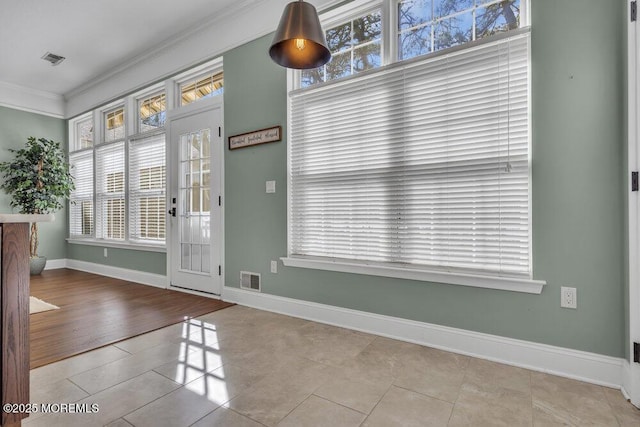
206,230
185,234
186,257
196,231
206,259
195,146
194,201
206,200
196,260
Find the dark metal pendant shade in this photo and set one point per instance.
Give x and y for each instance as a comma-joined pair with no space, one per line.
299,41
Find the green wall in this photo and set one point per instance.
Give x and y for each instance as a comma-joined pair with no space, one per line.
150,262
578,207
15,127
579,161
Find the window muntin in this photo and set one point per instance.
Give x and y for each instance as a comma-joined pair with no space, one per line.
83,134
426,26
419,27
202,87
355,45
114,128
152,112
196,172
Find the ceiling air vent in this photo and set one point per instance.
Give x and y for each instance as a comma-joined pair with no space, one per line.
53,58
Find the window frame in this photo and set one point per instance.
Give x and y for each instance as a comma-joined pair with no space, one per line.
105,199
132,142
211,68
120,105
149,93
390,32
389,58
75,150
130,103
358,9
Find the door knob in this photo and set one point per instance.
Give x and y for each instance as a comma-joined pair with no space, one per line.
172,211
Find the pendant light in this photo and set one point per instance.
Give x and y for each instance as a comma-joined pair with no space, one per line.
299,41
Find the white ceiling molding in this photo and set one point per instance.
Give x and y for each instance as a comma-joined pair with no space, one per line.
231,13
31,100
249,20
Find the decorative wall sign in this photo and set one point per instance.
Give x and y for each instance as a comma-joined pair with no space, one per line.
256,137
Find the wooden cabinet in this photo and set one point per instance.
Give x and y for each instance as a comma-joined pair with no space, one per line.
14,302
14,334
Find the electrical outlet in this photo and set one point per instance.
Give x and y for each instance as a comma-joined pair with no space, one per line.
568,297
105,253
274,266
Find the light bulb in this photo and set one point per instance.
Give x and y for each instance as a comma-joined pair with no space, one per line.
301,43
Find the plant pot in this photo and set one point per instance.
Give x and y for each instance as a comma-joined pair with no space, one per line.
36,264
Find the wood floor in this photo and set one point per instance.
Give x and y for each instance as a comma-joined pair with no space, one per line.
96,311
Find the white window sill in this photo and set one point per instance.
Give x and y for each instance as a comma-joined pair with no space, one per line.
119,245
490,282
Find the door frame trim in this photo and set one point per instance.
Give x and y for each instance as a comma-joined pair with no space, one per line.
197,107
631,376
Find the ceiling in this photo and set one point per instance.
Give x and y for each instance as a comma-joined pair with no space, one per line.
96,37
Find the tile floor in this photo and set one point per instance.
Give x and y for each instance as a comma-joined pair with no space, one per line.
246,367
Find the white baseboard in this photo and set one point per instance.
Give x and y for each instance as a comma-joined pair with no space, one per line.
151,279
54,264
575,364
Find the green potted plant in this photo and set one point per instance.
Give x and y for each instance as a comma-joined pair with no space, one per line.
38,181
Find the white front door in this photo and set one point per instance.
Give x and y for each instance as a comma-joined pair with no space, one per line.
195,211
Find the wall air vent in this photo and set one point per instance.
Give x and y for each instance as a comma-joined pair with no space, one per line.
249,280
53,58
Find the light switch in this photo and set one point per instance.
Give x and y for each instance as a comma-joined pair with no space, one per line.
271,186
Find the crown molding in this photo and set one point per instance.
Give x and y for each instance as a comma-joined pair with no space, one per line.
237,9
248,20
31,100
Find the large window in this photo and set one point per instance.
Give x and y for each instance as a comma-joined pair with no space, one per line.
128,191
81,162
118,160
147,176
421,165
110,195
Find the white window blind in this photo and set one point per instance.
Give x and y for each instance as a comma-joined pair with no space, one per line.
110,192
81,206
147,175
423,164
